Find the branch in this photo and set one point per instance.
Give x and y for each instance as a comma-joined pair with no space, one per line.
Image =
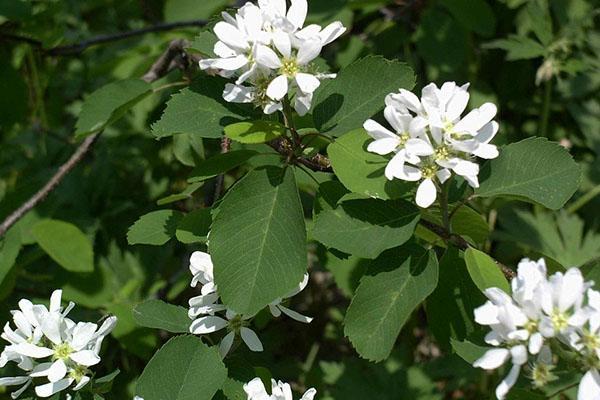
317,162
170,59
461,243
78,48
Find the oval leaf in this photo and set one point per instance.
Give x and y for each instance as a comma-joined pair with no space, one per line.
160,315
361,171
484,271
155,228
261,218
219,164
366,227
110,103
183,369
358,93
253,132
65,244
534,170
395,284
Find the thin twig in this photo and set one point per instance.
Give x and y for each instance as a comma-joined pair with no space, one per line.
156,71
78,48
461,243
318,162
220,184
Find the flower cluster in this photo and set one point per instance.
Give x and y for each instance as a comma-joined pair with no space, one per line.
48,345
204,309
270,53
255,389
430,138
543,313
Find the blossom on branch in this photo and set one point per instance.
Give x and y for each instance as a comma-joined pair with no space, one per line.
255,389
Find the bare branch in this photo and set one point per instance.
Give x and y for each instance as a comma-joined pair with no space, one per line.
78,48
175,57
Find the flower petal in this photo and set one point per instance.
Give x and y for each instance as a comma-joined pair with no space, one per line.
309,50
589,387
251,340
508,382
51,388
278,88
208,324
231,36
57,371
297,13
307,83
426,193
85,357
295,315
267,57
226,344
492,359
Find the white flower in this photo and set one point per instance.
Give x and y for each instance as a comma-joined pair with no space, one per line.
25,381
494,358
451,141
276,308
255,389
235,324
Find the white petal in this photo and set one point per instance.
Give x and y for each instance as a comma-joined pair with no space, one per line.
84,381
85,357
273,107
535,343
297,13
331,32
13,381
223,51
278,88
33,351
303,103
476,119
309,50
508,382
466,168
267,57
294,315
309,394
397,120
55,299
487,133
83,334
443,175
282,42
426,193
519,354
251,340
408,173
230,64
572,289
589,387
410,100
307,83
231,36
492,359
486,314
207,324
226,344
486,151
395,167
49,389
57,371
41,369
238,94
457,104
418,147
377,131
51,327
383,146
255,389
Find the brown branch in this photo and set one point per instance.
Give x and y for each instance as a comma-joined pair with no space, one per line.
317,162
220,184
78,48
170,59
461,243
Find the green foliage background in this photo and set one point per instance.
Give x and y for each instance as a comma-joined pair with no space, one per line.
539,61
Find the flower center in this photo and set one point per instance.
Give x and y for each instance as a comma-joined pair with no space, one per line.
290,67
428,171
403,138
442,153
560,320
78,372
531,326
236,323
62,351
541,374
590,341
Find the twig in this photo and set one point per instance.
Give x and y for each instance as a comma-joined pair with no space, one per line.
78,48
220,184
175,57
461,243
157,70
317,162
50,186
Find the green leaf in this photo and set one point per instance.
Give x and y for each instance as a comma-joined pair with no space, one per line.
361,171
105,383
10,246
258,240
396,283
65,244
518,47
533,170
204,43
160,315
187,10
366,227
358,93
346,271
468,351
219,164
450,307
194,227
110,103
465,222
155,228
484,271
253,132
475,15
200,110
183,369
186,194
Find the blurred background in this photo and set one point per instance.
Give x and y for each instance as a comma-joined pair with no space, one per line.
538,60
